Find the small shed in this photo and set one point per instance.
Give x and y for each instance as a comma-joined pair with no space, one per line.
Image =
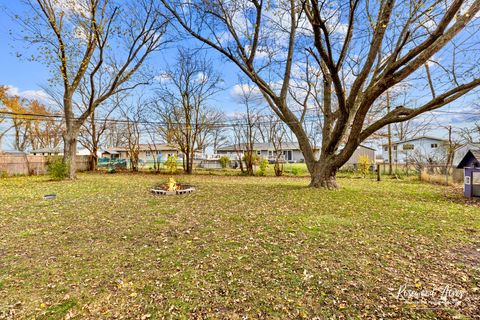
471,179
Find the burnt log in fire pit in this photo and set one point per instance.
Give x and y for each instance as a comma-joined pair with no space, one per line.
171,188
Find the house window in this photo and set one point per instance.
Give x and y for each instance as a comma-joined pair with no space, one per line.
270,153
147,153
394,147
408,146
385,148
259,152
434,145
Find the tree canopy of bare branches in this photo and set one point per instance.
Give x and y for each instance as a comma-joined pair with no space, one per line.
183,103
94,45
359,49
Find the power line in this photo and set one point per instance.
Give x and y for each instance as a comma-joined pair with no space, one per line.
44,117
227,124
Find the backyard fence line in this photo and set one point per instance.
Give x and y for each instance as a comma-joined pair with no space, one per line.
436,173
34,165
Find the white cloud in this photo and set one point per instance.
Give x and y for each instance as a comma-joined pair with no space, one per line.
38,95
70,7
434,61
202,77
163,77
239,91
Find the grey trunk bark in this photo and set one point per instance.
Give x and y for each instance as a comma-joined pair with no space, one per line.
323,175
93,161
69,154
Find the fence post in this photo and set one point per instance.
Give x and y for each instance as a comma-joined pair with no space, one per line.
378,172
446,175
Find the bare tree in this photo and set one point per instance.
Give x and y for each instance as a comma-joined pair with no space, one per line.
277,138
218,136
100,43
451,145
470,134
153,137
95,127
362,49
133,113
246,130
411,128
114,135
183,103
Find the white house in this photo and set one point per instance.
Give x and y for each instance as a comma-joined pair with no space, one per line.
430,149
290,152
146,152
58,151
86,152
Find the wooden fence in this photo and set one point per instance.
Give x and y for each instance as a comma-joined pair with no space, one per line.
33,165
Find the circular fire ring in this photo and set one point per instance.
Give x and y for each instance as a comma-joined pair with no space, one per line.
171,188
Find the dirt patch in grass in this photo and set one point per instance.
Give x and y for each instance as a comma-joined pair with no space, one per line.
469,254
455,195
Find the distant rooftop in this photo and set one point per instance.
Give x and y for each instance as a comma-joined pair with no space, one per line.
12,152
268,146
259,146
146,147
47,150
415,139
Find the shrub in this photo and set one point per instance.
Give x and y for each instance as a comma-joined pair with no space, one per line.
434,178
262,170
252,156
363,164
3,174
295,171
171,164
57,169
224,161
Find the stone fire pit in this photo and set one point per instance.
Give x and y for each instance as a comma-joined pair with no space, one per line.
172,188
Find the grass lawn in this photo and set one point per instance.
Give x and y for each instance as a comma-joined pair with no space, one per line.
260,247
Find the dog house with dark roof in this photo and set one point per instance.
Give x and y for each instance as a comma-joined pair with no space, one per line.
471,180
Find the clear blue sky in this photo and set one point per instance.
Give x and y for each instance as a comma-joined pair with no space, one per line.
14,71
30,76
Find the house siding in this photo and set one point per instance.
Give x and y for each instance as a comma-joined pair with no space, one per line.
297,155
162,155
421,147
361,151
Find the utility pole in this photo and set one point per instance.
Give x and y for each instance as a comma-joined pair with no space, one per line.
449,155
389,137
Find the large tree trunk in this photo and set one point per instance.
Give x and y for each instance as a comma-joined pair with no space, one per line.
190,165
93,160
93,153
69,154
187,163
323,174
249,163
